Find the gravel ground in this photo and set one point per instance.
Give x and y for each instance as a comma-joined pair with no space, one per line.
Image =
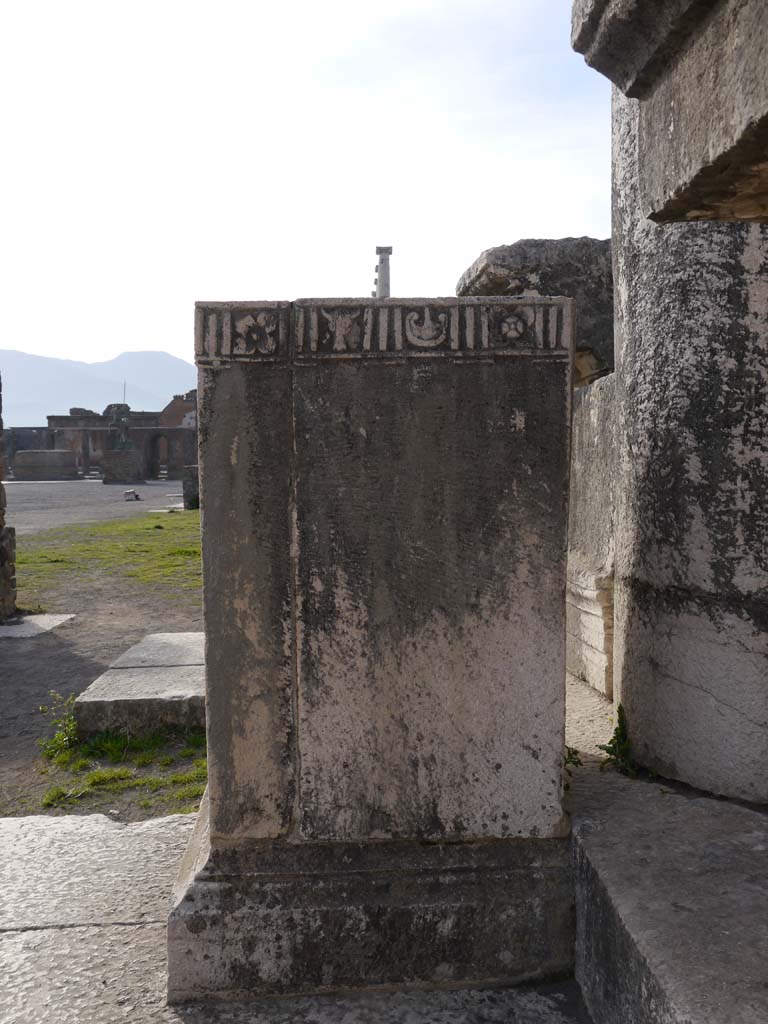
44,505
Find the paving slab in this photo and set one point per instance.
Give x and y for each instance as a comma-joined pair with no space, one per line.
78,870
672,903
140,699
590,718
164,649
83,939
26,627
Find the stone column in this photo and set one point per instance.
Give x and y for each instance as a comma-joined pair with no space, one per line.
7,542
384,495
691,643
382,271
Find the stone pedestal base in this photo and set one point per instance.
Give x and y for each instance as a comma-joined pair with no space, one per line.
279,918
123,466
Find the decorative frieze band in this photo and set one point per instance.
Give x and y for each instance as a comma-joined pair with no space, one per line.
313,329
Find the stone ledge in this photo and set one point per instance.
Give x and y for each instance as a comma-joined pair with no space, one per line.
671,904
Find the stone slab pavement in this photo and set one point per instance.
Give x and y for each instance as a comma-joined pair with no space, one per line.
164,649
44,504
25,627
83,907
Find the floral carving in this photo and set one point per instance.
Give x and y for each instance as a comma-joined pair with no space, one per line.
256,333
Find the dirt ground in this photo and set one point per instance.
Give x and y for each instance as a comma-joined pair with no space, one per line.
111,614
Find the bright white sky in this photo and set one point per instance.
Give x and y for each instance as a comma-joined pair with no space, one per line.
162,151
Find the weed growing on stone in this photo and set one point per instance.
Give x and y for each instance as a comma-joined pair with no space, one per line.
61,713
570,761
618,748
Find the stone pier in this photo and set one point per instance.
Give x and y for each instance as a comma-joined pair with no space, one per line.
384,492
691,643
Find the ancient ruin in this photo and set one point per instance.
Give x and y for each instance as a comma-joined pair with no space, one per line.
7,543
385,489
692,451
125,445
45,464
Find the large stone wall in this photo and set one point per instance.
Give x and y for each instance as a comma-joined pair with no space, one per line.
691,658
7,543
384,494
589,596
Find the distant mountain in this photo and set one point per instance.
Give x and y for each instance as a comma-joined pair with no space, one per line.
36,386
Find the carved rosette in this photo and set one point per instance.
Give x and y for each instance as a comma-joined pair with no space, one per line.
359,328
247,331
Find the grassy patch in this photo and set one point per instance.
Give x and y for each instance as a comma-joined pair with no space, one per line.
110,764
154,553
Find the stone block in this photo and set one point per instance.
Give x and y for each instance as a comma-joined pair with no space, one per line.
691,606
672,904
684,60
122,466
385,490
164,649
49,464
137,700
190,486
577,267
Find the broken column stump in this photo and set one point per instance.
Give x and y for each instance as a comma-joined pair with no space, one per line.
384,494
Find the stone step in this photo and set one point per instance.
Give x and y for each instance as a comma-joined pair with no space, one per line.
671,895
159,681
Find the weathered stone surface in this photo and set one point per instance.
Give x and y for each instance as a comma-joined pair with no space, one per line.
102,975
589,718
589,596
49,464
384,489
687,60
692,512
281,918
28,626
140,699
88,870
577,267
81,941
122,466
191,487
164,649
672,904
